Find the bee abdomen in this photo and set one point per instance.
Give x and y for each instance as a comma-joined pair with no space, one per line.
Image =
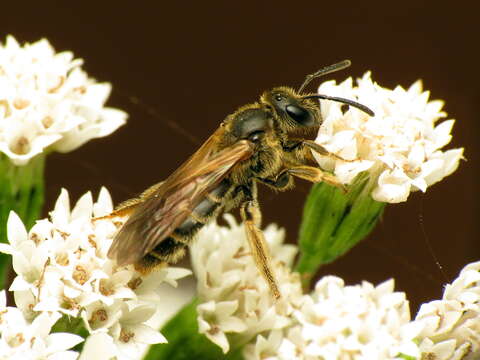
173,248
202,213
168,251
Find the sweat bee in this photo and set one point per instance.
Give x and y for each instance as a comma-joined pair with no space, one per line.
266,142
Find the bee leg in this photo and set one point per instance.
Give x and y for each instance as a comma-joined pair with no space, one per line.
321,150
315,175
283,181
250,213
125,208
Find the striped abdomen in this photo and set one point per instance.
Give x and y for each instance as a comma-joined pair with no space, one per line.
173,247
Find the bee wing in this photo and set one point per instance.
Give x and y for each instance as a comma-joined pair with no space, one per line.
168,207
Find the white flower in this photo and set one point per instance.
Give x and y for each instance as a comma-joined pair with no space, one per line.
335,321
21,339
48,102
344,322
127,338
62,267
451,326
367,322
401,146
234,298
131,335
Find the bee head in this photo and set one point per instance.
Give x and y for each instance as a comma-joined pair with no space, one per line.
298,112
292,112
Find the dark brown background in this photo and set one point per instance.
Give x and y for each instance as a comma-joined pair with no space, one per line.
195,62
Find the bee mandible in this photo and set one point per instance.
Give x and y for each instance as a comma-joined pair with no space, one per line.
268,142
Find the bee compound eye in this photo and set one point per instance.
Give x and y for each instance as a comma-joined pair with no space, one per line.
298,114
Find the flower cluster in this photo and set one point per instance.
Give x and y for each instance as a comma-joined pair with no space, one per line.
47,101
62,268
335,321
235,299
451,326
21,339
345,322
401,146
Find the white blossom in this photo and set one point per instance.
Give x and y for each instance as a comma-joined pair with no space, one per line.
334,321
21,339
62,267
451,326
47,102
234,298
400,147
344,322
126,338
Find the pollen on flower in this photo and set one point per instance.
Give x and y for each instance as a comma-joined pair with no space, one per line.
62,259
63,234
81,90
35,238
214,330
135,283
126,336
47,121
55,88
20,146
105,288
80,275
91,240
2,312
99,315
68,303
5,111
79,252
16,340
20,103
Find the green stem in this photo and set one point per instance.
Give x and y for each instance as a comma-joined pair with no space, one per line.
333,222
21,190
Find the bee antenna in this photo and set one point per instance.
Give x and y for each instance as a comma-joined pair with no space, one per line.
324,71
364,108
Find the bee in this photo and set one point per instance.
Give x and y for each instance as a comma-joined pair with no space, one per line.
267,142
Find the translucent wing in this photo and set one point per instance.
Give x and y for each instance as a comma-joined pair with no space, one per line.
167,207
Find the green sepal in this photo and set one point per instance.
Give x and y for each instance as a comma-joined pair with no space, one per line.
21,190
334,221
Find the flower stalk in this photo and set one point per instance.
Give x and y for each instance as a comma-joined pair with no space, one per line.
21,190
334,221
